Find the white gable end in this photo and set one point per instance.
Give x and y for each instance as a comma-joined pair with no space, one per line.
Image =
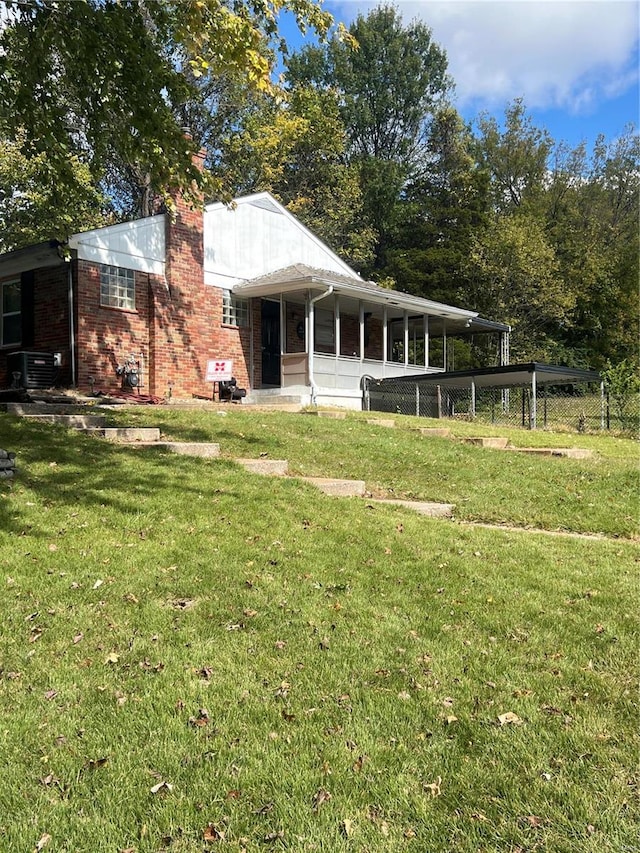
259,236
138,245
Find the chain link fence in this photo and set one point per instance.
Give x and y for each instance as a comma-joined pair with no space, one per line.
581,406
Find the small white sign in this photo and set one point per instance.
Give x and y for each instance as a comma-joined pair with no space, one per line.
219,370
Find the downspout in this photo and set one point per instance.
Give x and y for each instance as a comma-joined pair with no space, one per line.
72,325
312,343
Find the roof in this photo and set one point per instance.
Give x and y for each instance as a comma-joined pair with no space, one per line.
512,375
300,276
34,257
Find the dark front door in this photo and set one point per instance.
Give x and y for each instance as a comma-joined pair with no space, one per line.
270,343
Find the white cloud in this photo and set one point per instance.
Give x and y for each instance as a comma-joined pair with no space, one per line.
569,54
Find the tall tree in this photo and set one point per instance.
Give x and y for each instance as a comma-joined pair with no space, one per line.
33,204
93,77
388,88
295,150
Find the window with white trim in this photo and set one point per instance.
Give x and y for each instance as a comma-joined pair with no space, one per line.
235,311
117,287
11,319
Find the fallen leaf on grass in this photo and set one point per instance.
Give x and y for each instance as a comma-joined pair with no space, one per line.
112,657
434,787
95,763
320,797
162,787
212,833
44,840
347,827
50,694
202,719
509,719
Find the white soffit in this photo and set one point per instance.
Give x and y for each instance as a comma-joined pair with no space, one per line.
138,245
257,236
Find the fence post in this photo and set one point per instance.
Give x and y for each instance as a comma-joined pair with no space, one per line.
439,396
602,405
473,399
417,400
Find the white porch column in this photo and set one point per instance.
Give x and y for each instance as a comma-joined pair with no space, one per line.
534,402
361,328
426,340
445,354
405,325
336,329
385,336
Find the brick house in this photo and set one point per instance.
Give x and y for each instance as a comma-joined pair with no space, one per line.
247,283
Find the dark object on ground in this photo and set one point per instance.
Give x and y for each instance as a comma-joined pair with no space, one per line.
229,391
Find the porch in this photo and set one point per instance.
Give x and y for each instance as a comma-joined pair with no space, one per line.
322,334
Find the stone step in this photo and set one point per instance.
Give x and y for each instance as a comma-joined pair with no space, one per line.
336,487
321,413
80,422
202,449
428,508
275,400
269,467
382,422
568,452
496,442
44,408
436,432
126,434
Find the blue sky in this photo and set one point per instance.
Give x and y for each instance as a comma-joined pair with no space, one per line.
574,62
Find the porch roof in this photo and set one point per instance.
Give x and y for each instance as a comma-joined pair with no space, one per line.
300,277
33,257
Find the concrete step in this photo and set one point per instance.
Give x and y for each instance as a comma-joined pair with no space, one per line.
44,408
126,434
428,508
270,467
382,422
321,413
70,421
568,452
336,487
437,432
202,449
257,399
496,442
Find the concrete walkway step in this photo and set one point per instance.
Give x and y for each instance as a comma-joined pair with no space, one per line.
428,508
568,452
494,441
383,422
201,449
336,487
437,432
268,467
71,421
320,413
43,408
126,435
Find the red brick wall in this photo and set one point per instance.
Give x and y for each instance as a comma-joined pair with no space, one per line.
106,337
51,321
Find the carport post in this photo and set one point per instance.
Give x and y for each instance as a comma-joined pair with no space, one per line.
533,412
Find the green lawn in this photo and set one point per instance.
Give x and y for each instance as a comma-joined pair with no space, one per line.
196,658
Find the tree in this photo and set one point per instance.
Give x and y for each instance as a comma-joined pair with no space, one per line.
294,149
34,206
90,78
388,89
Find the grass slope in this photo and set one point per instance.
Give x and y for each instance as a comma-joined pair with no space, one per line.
195,658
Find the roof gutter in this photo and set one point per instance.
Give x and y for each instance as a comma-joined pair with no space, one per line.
311,340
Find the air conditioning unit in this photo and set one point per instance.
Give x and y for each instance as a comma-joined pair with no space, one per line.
36,369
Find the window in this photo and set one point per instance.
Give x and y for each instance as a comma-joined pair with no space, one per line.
235,311
11,325
117,287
